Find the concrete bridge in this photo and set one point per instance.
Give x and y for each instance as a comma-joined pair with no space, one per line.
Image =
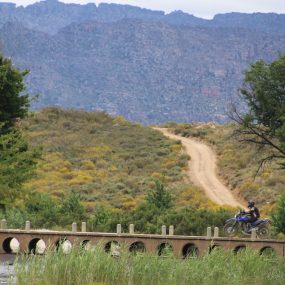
36,241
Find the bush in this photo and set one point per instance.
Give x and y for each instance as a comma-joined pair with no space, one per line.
279,214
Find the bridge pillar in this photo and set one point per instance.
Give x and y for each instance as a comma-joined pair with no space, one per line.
209,232
163,230
83,227
216,232
74,227
119,229
132,229
3,224
28,226
171,230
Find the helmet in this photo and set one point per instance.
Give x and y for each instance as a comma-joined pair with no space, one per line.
250,204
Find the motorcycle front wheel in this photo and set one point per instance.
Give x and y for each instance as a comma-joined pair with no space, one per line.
264,231
231,228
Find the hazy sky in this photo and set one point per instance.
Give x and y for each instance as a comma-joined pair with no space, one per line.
201,8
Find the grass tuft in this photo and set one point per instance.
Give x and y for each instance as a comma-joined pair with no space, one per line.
94,266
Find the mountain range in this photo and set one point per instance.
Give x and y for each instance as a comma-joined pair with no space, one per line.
145,65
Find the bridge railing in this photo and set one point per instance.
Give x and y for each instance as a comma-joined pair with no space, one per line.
29,240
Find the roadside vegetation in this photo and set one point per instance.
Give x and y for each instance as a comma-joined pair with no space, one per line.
251,151
105,170
94,266
238,163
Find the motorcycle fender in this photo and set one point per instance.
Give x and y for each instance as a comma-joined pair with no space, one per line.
231,219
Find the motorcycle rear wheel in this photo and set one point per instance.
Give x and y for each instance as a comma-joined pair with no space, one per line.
231,228
264,231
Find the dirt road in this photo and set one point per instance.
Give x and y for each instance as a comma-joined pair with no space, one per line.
202,170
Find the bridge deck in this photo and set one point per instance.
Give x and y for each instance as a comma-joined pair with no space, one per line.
27,241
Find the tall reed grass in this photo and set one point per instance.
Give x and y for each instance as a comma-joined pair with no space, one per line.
95,267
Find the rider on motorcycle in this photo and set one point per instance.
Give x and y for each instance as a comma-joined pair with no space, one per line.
253,214
246,221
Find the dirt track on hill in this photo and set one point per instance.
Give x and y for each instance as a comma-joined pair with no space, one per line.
202,170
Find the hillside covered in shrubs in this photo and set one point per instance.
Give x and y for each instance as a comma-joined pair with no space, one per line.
238,163
104,159
106,170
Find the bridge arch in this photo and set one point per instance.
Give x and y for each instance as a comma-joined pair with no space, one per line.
64,244
137,247
86,244
214,247
164,248
190,250
37,246
11,245
239,248
267,250
111,245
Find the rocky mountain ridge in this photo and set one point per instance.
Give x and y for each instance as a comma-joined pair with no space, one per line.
146,65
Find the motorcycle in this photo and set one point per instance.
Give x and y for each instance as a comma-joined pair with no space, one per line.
240,223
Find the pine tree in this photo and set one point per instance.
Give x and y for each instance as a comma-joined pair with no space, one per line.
13,104
159,197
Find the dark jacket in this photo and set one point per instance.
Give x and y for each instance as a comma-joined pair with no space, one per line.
254,214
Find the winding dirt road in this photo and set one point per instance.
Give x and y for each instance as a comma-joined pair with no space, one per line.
202,170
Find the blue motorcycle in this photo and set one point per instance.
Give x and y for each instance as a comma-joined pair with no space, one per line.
240,224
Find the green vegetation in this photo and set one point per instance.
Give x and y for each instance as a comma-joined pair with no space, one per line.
45,212
12,105
238,164
17,164
94,266
264,123
257,137
104,159
159,198
17,159
279,214
105,170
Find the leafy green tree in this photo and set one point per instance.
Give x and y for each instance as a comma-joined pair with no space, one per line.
279,214
191,221
100,219
145,218
17,164
13,104
264,123
42,210
71,210
15,217
159,197
17,160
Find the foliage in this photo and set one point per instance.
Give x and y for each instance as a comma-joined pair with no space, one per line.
264,123
106,160
71,210
148,218
279,214
17,165
238,164
15,217
17,158
159,197
100,218
41,210
13,104
192,221
97,267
